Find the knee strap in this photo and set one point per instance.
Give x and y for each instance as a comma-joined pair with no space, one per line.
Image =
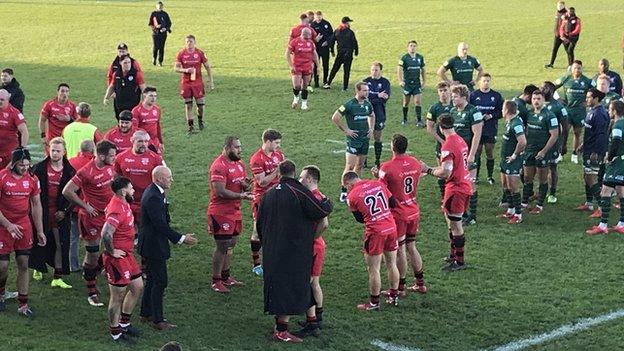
92,248
22,253
454,218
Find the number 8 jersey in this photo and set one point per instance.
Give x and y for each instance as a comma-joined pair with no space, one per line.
372,199
401,175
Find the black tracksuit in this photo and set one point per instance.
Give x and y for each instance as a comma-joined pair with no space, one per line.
347,47
159,35
325,29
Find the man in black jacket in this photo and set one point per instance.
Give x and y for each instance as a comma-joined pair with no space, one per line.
324,28
154,248
285,224
559,16
54,172
160,23
11,85
126,87
347,47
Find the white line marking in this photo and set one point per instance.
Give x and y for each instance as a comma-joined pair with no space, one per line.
392,347
33,146
582,324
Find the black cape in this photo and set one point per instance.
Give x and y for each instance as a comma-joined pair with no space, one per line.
286,217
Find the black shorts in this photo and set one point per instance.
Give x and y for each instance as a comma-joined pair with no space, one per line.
488,139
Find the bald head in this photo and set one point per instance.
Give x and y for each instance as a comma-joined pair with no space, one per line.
462,49
4,98
306,33
161,175
87,146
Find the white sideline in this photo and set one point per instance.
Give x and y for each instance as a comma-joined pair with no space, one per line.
564,330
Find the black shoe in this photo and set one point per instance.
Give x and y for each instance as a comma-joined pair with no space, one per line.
154,62
548,66
490,180
132,331
454,266
308,329
124,339
160,64
2,304
200,124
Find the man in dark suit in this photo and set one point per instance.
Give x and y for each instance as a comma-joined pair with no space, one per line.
154,248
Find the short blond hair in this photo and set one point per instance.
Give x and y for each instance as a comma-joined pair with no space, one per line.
460,90
58,141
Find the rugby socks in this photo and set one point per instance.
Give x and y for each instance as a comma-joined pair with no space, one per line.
312,321
621,219
420,278
89,273
589,197
554,179
478,162
543,191
418,110
405,109
595,191
452,253
2,288
58,273
256,245
216,279
401,284
489,163
517,203
441,185
225,275
124,319
459,242
473,205
190,122
374,299
22,300
115,332
507,198
280,325
527,192
304,94
378,147
296,94
605,207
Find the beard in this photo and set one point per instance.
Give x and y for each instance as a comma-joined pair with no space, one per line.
129,198
233,156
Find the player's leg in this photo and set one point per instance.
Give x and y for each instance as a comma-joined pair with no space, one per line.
605,206
554,181
591,170
513,184
57,281
351,159
188,113
89,231
115,301
415,259
418,109
135,287
4,275
21,259
347,72
457,231
324,56
619,189
317,293
337,64
200,102
222,245
405,104
74,241
478,159
305,80
227,279
529,175
472,209
312,324
543,170
401,265
507,197
256,247
390,256
553,56
373,266
576,141
359,163
489,159
296,86
378,144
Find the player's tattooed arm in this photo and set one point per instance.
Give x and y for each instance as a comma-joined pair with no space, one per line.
107,237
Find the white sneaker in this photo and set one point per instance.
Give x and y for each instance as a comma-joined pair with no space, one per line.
295,102
304,105
559,159
574,159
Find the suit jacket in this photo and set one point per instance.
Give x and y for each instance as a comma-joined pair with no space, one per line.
155,231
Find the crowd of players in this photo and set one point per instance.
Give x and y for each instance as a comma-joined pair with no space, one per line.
90,184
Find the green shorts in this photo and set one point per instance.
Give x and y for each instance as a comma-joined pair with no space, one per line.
357,147
614,173
511,168
576,116
412,89
549,159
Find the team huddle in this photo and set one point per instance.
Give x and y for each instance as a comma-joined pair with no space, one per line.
95,185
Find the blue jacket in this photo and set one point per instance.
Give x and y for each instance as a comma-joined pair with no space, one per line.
596,136
488,103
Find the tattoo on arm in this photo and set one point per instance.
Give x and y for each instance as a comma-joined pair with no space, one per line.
107,237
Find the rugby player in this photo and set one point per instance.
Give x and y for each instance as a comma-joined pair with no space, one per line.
557,108
462,68
360,126
443,105
122,133
146,116
378,95
301,57
604,85
12,125
56,114
524,100
411,76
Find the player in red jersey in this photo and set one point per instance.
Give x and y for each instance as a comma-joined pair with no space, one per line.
264,167
301,57
146,116
370,202
12,125
93,181
401,176
310,177
123,273
87,148
19,202
458,188
189,62
304,22
228,186
55,114
122,133
137,164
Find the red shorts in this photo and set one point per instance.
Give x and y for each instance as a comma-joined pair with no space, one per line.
192,90
319,258
407,228
90,228
302,70
4,160
455,203
121,271
223,226
376,244
9,244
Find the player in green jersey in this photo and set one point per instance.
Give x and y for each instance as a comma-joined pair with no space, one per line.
614,173
442,106
468,125
542,133
603,84
557,108
524,100
411,76
462,68
514,142
575,86
358,112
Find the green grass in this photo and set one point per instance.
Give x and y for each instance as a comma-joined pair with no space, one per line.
525,280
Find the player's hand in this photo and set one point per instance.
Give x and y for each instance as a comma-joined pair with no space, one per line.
511,158
319,37
375,171
383,95
15,230
246,195
351,133
540,155
91,211
402,84
487,117
190,239
190,70
424,167
470,159
210,85
59,216
118,253
370,133
105,102
42,239
593,157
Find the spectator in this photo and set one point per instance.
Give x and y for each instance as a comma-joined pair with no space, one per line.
10,84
